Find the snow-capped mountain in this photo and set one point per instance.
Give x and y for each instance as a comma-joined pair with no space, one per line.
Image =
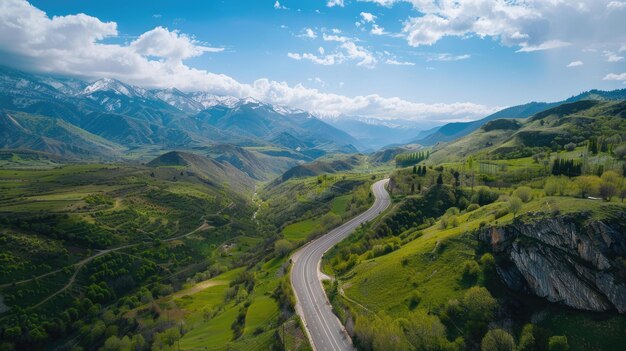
115,86
208,100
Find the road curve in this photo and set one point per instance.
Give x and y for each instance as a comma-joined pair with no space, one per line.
323,328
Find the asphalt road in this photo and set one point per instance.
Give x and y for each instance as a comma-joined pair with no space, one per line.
323,328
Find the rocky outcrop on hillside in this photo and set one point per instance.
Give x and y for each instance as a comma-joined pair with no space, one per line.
573,260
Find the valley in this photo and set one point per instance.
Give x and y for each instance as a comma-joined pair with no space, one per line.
156,219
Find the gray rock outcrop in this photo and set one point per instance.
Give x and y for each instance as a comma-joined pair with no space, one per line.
572,260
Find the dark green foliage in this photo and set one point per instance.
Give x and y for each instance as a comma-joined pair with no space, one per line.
558,343
484,196
404,160
568,168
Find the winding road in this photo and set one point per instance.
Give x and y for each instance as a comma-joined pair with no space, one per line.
323,328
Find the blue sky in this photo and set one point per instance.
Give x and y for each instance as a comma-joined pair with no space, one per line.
417,59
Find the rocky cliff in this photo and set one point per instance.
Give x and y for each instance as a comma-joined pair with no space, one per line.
573,260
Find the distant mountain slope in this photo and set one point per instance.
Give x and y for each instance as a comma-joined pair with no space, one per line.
573,122
215,173
452,131
321,167
52,135
372,134
389,154
136,117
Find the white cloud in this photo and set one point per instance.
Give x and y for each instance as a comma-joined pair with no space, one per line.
327,60
332,3
399,63
362,55
308,33
529,24
623,48
338,38
157,15
612,57
321,50
548,45
336,31
376,30
447,57
616,5
169,45
72,46
278,6
615,76
368,17
575,64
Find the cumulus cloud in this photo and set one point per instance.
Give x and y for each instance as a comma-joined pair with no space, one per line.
170,45
616,76
376,30
613,57
278,6
72,46
347,50
333,3
531,25
613,5
367,17
308,33
575,64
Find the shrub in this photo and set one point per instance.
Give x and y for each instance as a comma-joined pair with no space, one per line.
470,270
558,343
484,196
497,340
515,204
527,338
587,185
569,147
473,207
524,193
282,247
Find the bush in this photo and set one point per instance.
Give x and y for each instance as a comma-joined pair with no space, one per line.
484,196
558,343
524,193
569,147
472,207
471,269
515,205
497,340
527,338
282,247
488,261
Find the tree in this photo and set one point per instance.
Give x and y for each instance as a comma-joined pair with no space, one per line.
587,185
114,343
497,340
439,180
282,247
558,343
620,151
524,193
609,184
415,169
425,332
527,338
515,204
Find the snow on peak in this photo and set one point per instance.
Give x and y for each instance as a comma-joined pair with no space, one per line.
115,86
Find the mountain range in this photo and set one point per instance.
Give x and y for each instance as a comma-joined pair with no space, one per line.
106,117
452,131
